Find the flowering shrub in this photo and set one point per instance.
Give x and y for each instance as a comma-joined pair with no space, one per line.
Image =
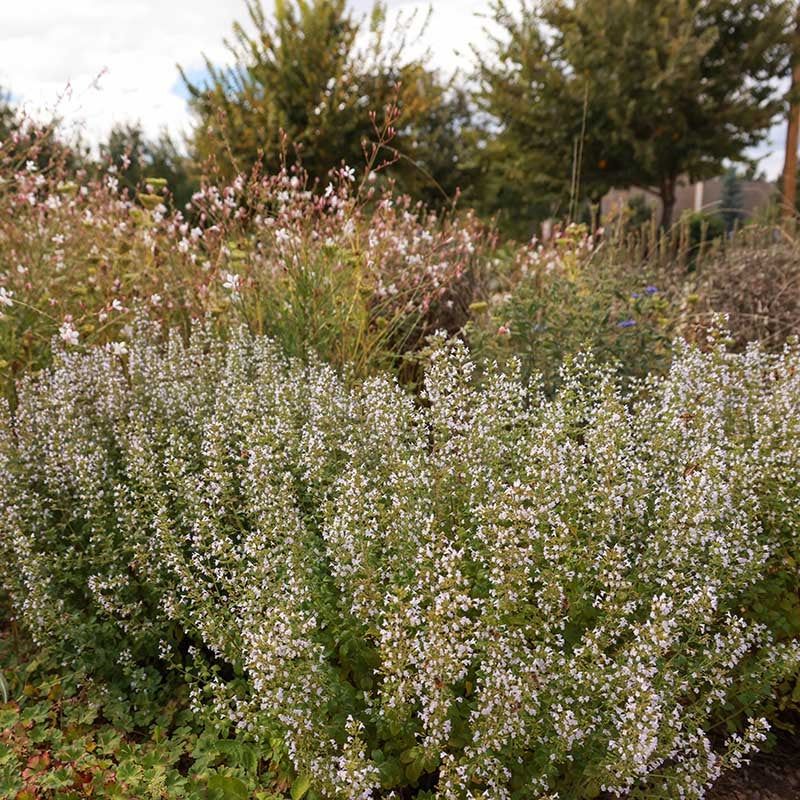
357,274
483,594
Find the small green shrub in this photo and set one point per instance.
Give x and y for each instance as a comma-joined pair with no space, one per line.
483,594
64,736
578,293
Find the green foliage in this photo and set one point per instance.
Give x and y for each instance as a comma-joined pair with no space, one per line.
704,228
359,582
576,293
7,115
62,737
731,201
630,93
328,100
136,159
639,212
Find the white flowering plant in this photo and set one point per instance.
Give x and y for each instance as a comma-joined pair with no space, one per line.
477,593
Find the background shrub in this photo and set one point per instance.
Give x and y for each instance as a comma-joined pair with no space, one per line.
578,292
756,282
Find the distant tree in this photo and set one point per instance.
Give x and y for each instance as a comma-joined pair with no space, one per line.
590,94
731,201
316,72
137,158
25,139
8,116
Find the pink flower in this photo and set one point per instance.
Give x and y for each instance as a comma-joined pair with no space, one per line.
68,333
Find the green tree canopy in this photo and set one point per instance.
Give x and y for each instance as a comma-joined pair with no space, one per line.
8,116
138,158
315,72
591,94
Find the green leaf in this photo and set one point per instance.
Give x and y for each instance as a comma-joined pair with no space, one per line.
128,771
240,754
300,787
413,771
231,788
8,717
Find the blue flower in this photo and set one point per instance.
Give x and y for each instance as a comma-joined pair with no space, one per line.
651,289
626,323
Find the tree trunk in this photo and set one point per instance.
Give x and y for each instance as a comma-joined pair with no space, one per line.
790,164
667,195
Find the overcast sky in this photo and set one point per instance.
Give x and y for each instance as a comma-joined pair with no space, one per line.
97,62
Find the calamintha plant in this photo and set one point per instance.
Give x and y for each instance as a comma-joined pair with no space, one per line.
483,593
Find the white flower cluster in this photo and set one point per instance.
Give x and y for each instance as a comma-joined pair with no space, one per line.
473,591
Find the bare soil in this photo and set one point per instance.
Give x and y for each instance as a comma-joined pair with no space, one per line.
769,776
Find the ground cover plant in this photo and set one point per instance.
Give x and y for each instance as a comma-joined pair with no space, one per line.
66,737
482,593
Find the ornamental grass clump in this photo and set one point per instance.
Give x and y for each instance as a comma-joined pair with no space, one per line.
477,593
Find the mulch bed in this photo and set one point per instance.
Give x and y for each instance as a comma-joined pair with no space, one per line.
769,776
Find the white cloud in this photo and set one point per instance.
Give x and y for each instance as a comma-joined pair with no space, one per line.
97,62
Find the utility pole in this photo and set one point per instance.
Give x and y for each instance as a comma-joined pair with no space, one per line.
790,164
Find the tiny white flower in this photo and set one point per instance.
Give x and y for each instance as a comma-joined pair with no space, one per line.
5,297
117,348
231,282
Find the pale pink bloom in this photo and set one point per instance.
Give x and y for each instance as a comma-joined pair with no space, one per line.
68,333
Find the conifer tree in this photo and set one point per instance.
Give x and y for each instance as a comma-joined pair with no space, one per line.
731,201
